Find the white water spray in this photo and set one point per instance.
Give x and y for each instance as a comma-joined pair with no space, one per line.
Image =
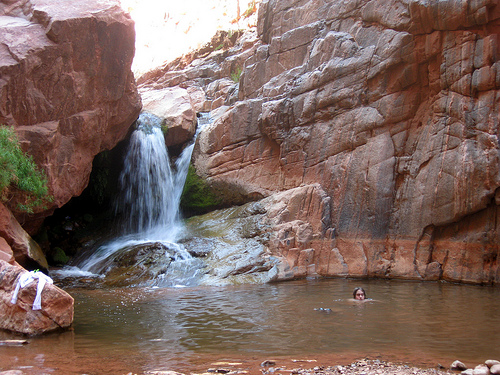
148,203
150,189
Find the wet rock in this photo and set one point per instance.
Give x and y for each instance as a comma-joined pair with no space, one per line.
458,366
250,243
268,363
174,107
495,369
136,265
13,342
56,305
491,362
481,370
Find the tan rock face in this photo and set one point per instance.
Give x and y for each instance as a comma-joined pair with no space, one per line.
66,85
56,311
283,236
175,107
391,107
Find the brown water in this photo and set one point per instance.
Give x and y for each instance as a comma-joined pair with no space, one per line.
117,331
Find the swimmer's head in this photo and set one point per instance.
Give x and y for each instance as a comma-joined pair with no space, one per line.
359,293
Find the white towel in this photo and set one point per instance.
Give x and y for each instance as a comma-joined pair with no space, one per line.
25,279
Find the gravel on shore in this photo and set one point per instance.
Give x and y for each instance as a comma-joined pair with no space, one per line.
309,367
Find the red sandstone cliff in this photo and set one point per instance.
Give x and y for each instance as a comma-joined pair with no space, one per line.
67,88
392,107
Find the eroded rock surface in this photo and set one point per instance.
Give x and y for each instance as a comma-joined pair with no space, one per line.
283,236
391,107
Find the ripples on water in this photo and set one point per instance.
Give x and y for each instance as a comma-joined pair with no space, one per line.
137,329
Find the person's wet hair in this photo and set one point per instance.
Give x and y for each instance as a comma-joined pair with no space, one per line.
356,290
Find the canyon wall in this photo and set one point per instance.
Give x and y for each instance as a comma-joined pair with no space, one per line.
67,89
391,107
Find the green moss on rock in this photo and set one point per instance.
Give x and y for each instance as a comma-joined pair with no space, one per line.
197,196
59,257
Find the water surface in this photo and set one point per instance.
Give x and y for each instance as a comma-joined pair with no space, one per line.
117,331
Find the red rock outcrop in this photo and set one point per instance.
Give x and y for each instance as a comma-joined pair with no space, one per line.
66,87
391,106
66,84
56,305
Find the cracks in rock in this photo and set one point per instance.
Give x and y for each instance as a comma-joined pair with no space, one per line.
6,48
428,232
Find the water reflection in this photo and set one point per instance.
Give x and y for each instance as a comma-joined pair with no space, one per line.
136,329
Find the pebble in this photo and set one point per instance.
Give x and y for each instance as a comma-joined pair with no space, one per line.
268,363
481,370
458,366
361,367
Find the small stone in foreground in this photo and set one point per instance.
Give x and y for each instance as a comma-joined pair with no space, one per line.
458,366
481,370
267,363
13,342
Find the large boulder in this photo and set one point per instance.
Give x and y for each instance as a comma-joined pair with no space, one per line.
66,87
56,305
283,236
175,108
391,107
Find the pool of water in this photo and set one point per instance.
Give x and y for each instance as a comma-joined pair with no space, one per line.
117,331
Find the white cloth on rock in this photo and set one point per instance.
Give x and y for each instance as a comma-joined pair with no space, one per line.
25,279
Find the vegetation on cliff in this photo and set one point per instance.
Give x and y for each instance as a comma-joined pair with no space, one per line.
19,171
197,197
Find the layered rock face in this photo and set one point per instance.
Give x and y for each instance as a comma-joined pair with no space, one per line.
66,87
275,238
391,106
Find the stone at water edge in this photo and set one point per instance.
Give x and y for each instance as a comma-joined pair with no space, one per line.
57,306
495,369
481,370
491,362
458,366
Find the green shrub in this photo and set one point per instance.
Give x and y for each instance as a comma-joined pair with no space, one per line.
252,8
197,197
235,76
18,169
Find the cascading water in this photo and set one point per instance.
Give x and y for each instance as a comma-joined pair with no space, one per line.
148,212
150,190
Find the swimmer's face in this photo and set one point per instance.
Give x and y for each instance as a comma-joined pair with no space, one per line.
360,295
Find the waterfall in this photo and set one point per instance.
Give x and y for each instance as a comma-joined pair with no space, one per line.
148,208
150,190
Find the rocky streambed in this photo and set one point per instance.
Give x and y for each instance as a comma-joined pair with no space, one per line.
360,367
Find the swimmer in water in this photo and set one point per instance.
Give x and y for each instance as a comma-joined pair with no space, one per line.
359,294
